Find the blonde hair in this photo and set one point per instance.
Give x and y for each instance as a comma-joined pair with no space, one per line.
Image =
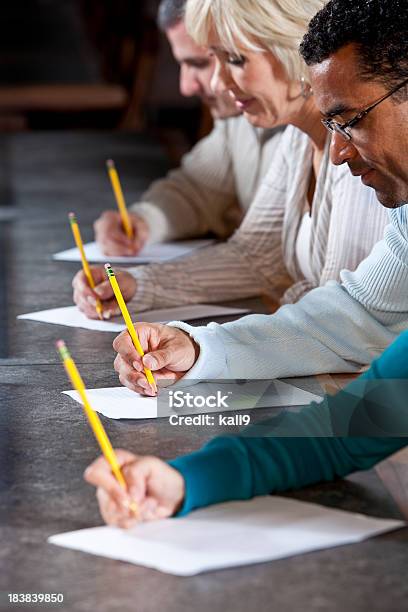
277,26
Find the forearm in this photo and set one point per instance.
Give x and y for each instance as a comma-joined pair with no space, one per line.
178,209
192,200
335,328
327,331
235,468
353,430
219,273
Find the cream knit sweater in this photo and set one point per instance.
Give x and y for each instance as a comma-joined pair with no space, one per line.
214,186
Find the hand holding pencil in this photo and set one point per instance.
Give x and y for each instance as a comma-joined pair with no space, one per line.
85,297
94,421
111,236
169,353
129,324
129,488
120,233
157,487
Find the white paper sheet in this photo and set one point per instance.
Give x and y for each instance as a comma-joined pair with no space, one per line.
228,535
154,253
72,317
121,403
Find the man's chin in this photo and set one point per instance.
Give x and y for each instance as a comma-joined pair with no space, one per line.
219,114
390,201
387,195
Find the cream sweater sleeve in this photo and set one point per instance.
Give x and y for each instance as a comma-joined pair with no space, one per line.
194,199
249,264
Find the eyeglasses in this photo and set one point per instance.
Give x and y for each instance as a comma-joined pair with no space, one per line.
344,128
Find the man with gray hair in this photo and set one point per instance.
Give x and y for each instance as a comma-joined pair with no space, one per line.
196,67
216,182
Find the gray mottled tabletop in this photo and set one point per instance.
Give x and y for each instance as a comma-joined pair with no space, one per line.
45,443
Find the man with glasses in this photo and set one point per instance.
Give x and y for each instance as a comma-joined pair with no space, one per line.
345,128
360,66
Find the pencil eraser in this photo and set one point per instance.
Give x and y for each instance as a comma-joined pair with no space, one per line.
60,344
110,163
107,266
71,214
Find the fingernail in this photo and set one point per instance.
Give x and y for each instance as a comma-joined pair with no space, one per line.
126,503
134,508
91,300
107,314
150,362
137,366
98,291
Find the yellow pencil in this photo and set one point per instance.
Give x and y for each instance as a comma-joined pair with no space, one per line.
87,271
93,418
120,200
128,321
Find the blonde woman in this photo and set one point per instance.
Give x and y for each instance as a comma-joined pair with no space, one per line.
309,220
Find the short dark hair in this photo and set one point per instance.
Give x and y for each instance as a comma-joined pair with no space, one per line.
170,13
379,29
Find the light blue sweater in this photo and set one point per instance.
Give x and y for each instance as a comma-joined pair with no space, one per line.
335,328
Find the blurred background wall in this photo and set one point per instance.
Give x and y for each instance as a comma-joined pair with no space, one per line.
92,65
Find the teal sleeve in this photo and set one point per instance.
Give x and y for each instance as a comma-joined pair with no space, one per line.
350,431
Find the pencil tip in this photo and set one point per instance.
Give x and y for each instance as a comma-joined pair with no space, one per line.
107,266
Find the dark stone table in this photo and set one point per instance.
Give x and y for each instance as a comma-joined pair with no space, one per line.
45,442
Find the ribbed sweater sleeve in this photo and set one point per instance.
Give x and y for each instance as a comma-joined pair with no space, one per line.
193,199
335,328
319,443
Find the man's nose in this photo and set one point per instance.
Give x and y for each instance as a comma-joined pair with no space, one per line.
341,149
189,84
